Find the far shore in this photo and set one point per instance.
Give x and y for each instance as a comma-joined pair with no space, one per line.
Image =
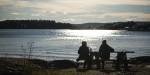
52,24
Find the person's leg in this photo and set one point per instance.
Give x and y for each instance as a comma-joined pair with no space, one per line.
125,62
98,63
85,63
77,62
126,65
89,62
117,64
103,64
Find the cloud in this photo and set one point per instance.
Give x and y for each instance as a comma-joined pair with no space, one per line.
23,3
123,8
128,16
107,2
5,2
15,13
76,10
111,17
75,6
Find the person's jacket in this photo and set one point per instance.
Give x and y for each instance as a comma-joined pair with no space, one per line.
105,50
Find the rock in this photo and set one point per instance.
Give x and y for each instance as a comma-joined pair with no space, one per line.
141,59
62,64
40,63
147,66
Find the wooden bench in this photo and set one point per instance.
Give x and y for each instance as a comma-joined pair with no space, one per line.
95,60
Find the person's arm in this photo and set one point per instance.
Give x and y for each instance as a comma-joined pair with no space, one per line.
111,49
79,51
100,48
89,50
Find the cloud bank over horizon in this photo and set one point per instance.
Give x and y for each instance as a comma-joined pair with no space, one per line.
76,11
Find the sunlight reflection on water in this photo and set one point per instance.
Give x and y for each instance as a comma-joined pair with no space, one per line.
88,34
63,44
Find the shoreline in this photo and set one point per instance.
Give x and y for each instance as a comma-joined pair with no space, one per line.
21,66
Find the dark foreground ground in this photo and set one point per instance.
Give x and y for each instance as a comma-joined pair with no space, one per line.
19,66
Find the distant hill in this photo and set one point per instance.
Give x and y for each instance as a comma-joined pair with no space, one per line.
89,25
130,25
51,24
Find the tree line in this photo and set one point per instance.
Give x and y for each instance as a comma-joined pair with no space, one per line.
52,24
34,24
129,25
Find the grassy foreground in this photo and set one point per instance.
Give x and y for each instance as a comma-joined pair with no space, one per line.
18,66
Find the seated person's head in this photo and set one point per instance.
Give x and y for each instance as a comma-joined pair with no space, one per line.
84,43
104,42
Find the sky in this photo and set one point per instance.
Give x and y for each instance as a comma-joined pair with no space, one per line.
76,11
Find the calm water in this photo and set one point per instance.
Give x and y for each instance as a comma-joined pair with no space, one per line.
64,44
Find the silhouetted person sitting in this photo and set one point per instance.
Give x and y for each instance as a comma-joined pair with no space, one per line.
121,60
84,53
104,51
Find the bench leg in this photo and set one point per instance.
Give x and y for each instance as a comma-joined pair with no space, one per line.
103,64
126,65
98,64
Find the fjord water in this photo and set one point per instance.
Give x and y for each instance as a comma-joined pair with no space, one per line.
63,44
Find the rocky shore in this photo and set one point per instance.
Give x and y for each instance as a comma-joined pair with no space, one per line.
20,66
